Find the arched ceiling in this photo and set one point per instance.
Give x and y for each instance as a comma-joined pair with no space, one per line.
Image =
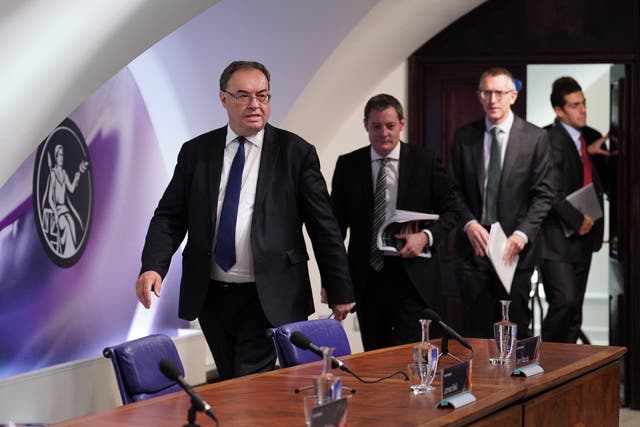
326,54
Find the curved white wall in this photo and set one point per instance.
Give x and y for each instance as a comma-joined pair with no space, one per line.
55,53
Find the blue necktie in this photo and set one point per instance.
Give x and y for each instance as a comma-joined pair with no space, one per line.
226,243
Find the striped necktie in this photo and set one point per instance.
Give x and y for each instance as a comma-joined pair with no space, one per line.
379,207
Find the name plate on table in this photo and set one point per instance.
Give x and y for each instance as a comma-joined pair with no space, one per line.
331,414
456,385
528,357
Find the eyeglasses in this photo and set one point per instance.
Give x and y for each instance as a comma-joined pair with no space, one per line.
485,95
245,98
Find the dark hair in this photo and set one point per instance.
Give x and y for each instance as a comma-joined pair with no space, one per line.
496,71
561,87
241,65
380,103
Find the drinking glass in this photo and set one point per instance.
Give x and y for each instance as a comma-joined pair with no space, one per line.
505,334
327,386
426,352
420,377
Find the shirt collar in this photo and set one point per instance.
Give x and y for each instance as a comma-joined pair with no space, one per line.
504,126
393,155
254,139
574,133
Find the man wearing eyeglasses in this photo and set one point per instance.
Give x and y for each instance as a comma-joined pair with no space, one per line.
502,169
242,193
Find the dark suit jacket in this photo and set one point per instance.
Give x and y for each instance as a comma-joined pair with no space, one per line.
568,176
290,192
423,186
526,186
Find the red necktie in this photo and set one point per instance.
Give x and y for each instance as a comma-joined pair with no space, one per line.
586,162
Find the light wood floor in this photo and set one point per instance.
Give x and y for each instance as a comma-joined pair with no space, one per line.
629,418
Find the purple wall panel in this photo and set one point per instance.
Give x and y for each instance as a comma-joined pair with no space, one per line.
49,314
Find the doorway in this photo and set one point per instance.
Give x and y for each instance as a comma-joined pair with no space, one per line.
595,81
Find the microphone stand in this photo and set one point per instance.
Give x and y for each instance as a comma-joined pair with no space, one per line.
444,351
191,416
309,387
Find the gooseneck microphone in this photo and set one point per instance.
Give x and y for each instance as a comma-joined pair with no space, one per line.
430,314
300,340
171,371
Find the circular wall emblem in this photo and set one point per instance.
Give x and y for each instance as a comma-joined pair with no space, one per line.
63,194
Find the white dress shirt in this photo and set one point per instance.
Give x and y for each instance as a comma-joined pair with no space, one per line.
242,271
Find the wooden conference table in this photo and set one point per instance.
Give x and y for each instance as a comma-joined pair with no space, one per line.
580,386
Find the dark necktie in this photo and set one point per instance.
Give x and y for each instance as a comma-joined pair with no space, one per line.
379,207
493,178
587,177
226,242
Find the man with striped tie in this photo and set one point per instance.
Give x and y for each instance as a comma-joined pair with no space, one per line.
369,184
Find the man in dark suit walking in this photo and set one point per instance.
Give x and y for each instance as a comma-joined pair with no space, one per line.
243,192
370,183
501,167
567,260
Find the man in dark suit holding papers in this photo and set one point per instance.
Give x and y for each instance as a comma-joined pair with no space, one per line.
369,185
567,259
500,164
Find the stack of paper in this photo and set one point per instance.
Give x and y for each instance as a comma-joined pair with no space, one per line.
402,222
495,251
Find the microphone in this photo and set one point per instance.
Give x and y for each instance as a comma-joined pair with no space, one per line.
300,340
430,314
171,371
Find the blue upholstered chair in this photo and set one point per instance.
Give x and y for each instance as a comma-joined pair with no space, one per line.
136,367
321,332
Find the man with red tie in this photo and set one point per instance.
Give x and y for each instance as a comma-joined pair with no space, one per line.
565,268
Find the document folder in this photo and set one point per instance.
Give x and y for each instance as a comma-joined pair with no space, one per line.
586,201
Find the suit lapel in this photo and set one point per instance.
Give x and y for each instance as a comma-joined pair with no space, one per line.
216,156
406,165
516,136
571,146
477,156
268,163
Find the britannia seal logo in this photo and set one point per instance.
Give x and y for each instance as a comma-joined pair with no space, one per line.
63,194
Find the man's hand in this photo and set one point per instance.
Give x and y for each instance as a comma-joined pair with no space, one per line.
478,237
414,244
587,224
595,148
323,296
340,311
147,282
515,245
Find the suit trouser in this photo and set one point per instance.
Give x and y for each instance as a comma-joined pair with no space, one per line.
564,284
235,327
481,292
389,308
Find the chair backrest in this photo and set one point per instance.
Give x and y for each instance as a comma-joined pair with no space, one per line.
136,367
321,332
